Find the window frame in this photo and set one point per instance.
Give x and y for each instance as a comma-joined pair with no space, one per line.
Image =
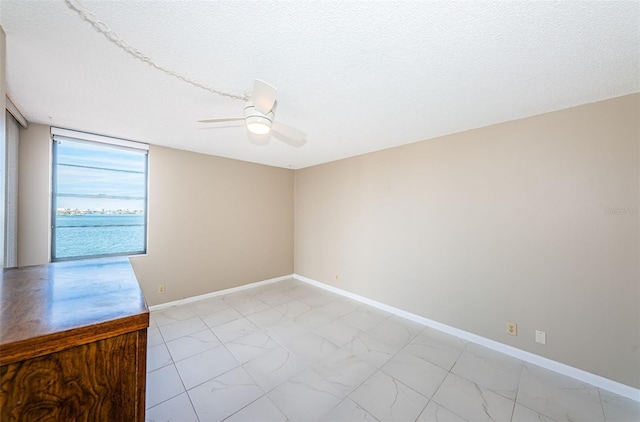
59,134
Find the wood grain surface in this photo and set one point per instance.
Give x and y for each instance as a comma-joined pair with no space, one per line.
48,308
73,342
92,382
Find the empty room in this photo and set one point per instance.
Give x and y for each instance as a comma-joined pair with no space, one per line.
320,210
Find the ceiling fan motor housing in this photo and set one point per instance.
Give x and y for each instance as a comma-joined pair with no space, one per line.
257,122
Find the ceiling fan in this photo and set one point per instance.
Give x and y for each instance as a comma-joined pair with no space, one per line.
259,114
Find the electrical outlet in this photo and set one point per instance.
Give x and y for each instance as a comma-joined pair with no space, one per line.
541,337
161,288
512,328
337,277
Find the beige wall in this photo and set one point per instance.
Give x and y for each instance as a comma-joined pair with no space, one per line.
214,223
34,198
507,222
504,223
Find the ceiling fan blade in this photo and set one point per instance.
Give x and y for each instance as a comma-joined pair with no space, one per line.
227,119
263,96
288,141
288,134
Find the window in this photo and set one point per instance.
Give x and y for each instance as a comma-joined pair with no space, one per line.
99,196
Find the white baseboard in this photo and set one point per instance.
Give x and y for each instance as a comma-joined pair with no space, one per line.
219,293
561,368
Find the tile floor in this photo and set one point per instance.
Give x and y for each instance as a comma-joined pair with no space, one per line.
289,351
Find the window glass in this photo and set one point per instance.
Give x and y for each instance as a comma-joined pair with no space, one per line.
99,200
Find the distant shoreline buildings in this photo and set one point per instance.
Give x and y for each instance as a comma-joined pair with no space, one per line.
99,211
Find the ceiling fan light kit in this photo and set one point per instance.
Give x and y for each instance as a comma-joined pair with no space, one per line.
259,114
257,122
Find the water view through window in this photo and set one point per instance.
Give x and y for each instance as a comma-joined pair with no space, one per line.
99,200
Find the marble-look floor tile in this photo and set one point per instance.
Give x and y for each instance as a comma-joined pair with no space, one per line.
348,411
338,332
286,330
271,288
221,316
262,410
340,307
277,299
204,366
302,290
251,346
396,331
557,396
311,347
274,367
206,307
163,384
224,395
318,299
282,287
313,319
436,413
437,347
293,308
619,409
365,318
471,401
182,328
192,344
250,306
496,371
173,314
349,349
154,337
524,414
273,291
387,399
424,377
370,349
178,408
344,371
267,318
305,397
238,298
157,357
234,329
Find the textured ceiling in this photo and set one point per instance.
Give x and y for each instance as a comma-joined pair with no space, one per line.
356,76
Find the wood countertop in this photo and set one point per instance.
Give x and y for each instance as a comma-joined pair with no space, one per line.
48,308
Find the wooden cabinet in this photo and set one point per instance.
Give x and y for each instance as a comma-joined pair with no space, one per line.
73,339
